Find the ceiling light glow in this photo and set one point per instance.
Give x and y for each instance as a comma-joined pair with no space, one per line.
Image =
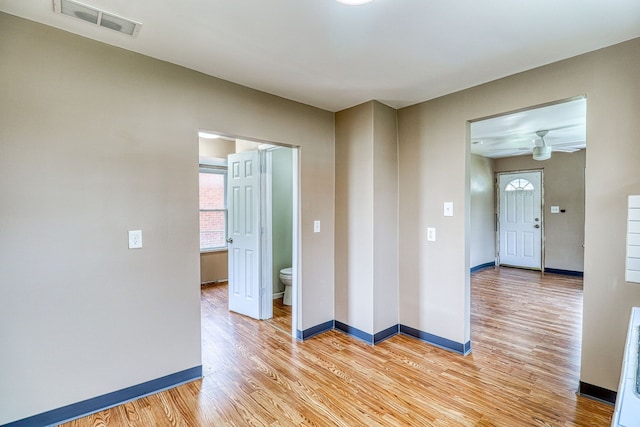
354,2
208,135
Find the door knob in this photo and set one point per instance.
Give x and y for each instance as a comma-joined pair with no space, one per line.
537,226
229,240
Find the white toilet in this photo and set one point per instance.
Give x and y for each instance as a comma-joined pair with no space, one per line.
285,278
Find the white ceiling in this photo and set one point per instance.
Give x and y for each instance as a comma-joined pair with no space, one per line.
515,134
333,56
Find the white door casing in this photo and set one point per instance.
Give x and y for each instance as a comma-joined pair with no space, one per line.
520,219
243,204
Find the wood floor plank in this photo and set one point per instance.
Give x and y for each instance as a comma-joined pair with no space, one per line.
523,369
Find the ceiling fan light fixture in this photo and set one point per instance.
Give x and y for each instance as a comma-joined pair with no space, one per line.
542,153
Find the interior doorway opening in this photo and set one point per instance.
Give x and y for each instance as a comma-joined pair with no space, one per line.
261,225
505,150
550,138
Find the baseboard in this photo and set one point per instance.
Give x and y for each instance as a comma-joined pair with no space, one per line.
443,343
315,330
99,403
564,272
387,333
278,295
483,266
368,338
354,332
597,393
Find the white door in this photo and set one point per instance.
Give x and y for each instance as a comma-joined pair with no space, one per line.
520,219
243,204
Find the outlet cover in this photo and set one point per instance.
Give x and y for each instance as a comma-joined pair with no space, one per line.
431,234
135,239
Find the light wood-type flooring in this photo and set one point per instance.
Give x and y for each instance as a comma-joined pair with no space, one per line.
523,369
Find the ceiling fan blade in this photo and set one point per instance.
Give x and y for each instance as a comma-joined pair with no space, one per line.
564,150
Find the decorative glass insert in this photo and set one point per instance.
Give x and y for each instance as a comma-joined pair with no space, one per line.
519,184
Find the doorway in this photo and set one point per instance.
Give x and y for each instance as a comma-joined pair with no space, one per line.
506,155
520,228
514,142
251,267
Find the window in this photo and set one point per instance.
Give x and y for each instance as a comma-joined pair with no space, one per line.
213,208
519,184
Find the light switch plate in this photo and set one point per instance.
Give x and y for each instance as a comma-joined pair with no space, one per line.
316,226
431,234
135,239
448,208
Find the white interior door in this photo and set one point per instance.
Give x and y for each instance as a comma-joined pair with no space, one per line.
243,204
520,219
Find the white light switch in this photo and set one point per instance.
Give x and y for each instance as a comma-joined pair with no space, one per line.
555,209
135,239
448,208
431,234
316,226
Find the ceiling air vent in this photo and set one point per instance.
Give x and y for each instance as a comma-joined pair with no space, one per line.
97,17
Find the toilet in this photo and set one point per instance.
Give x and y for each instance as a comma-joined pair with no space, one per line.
285,278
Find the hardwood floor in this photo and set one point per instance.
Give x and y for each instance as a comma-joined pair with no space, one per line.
523,370
281,316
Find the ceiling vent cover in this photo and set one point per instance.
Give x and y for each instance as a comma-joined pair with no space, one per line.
97,17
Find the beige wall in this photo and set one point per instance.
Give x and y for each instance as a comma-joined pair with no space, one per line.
563,176
214,266
217,148
366,217
385,217
434,153
482,248
354,217
95,141
244,145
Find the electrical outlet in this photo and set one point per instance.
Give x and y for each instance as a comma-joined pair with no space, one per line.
135,239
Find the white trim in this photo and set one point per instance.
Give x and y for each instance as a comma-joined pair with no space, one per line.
266,224
296,291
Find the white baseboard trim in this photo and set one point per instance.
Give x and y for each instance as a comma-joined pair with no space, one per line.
277,295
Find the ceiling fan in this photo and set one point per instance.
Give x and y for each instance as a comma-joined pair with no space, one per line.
534,142
542,152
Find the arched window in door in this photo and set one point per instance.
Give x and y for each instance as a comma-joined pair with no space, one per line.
519,184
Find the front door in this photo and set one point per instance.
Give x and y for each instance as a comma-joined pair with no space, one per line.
520,219
243,204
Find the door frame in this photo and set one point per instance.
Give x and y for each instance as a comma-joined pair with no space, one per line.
542,213
266,300
266,280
